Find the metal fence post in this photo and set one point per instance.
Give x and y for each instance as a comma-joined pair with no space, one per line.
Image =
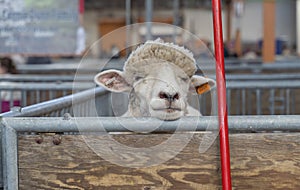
9,157
149,10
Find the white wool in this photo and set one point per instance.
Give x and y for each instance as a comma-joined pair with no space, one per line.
159,51
156,68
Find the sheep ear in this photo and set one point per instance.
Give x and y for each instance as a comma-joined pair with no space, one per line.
201,85
112,80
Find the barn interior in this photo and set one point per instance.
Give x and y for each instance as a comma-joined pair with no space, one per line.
60,130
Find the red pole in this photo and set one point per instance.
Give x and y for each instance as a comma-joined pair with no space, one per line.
81,6
221,87
81,11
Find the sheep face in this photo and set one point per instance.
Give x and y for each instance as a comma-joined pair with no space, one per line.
158,89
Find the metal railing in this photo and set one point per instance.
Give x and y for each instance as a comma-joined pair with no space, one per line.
263,97
82,102
94,66
31,93
253,66
253,97
90,77
258,97
85,66
46,78
261,76
60,106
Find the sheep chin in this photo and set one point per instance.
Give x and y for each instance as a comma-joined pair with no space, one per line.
166,115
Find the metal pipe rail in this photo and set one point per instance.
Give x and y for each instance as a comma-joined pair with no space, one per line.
46,78
57,107
205,65
32,93
248,94
12,126
263,97
46,86
260,76
256,97
56,68
237,124
261,84
255,68
90,77
83,66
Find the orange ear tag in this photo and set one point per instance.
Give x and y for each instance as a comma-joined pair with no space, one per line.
203,88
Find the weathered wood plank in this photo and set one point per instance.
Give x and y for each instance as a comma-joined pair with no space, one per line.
259,161
266,161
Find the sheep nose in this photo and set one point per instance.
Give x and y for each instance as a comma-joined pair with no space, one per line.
168,96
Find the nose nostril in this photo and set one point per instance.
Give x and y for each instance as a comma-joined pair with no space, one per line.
176,96
163,95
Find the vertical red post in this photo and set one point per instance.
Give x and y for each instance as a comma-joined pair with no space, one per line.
221,87
81,6
81,11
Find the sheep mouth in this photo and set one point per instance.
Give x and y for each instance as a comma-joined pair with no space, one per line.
169,110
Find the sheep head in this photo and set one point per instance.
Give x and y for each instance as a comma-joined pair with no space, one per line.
158,77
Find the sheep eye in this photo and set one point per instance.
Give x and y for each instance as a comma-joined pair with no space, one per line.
137,78
184,79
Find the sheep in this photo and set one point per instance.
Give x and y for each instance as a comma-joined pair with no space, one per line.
158,77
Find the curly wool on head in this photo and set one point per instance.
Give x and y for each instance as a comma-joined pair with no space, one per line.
159,77
153,52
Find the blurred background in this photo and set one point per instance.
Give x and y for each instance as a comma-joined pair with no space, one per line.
243,22
51,49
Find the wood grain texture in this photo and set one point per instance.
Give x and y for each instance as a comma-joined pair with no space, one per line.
259,161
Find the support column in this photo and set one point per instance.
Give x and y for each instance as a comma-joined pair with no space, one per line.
238,43
228,19
128,22
149,12
268,49
298,26
176,19
239,11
